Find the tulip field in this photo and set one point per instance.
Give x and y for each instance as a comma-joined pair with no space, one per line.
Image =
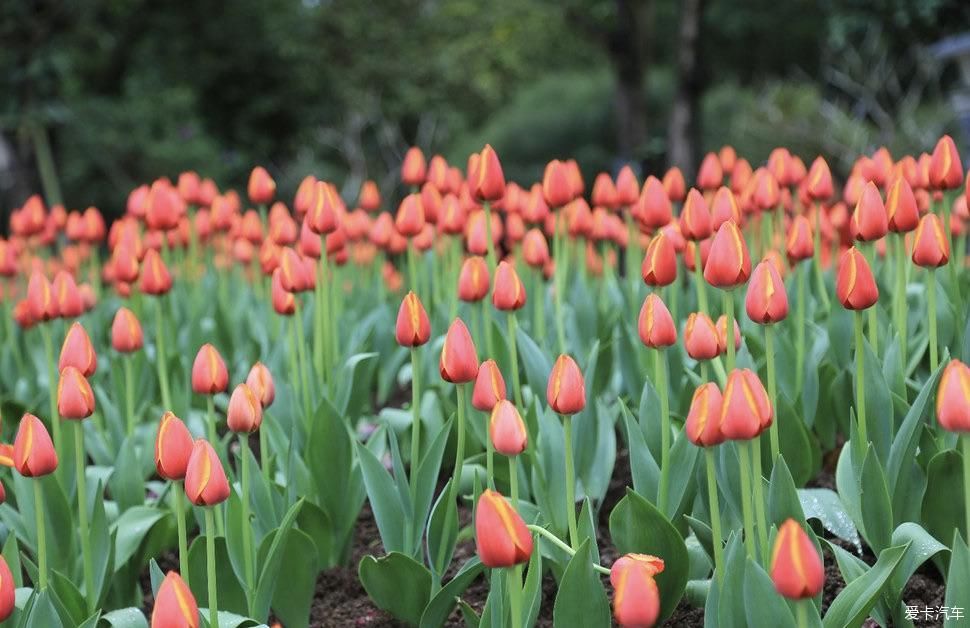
737,397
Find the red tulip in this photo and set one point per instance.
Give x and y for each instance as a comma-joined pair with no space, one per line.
473,280
175,606
674,184
261,188
566,390
724,207
410,216
627,187
487,182
40,298
324,208
728,264
284,303
260,380
745,409
75,399
930,246
710,175
945,169
819,183
659,266
413,169
800,245
209,374
413,328
506,429
509,293
766,301
636,599
953,397
459,360
173,446
205,479
155,278
8,597
653,209
67,296
501,538
556,188
655,324
535,249
126,333
703,426
695,217
721,327
796,566
489,387
854,284
901,209
245,412
870,220
33,451
77,351
701,337
369,198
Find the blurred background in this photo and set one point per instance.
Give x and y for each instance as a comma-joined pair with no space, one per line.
99,96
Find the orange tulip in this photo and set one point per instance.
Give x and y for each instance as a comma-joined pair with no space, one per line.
459,359
506,429
324,208
800,245
413,169
261,188
501,538
410,216
487,182
724,207
728,264
67,296
766,301
945,169
77,351
173,446
75,399
745,408
535,249
855,286
284,303
796,566
489,387
636,598
930,247
8,597
205,479
33,451
473,280
509,293
953,397
721,327
673,182
655,324
695,217
175,606
566,390
627,187
556,188
819,183
245,412
659,266
701,337
126,333
870,220
653,209
369,198
261,382
710,174
155,277
209,374
40,298
163,206
703,426
413,328
901,208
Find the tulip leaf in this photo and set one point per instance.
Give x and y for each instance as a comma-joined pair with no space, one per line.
643,466
11,553
537,364
127,484
581,600
384,499
548,478
444,601
783,501
944,508
291,602
637,526
155,575
921,547
271,561
877,514
130,530
795,443
683,457
494,614
235,543
586,528
594,427
762,604
101,546
442,531
316,524
67,599
729,611
532,592
879,403
851,607
648,415
352,384
230,592
42,613
958,579
703,533
127,618
426,479
397,584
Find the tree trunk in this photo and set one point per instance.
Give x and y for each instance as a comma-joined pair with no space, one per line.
682,126
627,45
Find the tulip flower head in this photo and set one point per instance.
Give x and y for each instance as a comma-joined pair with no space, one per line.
870,220
33,451
489,387
703,419
413,328
566,390
722,338
556,188
410,218
796,566
40,298
126,333
728,264
695,217
745,408
800,245
8,586
155,277
953,398
901,208
507,430
77,351
930,248
261,381
945,169
701,337
175,606
67,295
414,168
487,182
653,209
819,183
209,374
473,280
501,538
508,293
173,446
659,266
245,412
766,301
854,284
636,598
655,324
261,188
75,399
459,359
205,479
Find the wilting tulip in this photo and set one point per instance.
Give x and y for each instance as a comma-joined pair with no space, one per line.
501,537
636,598
8,596
414,168
261,188
566,390
745,408
413,328
473,280
459,359
945,169
854,284
506,429
659,266
766,301
953,398
703,426
33,451
209,374
728,264
77,351
489,387
126,333
205,479
261,381
245,412
509,293
40,298
155,277
487,182
796,566
799,245
75,399
701,337
173,446
175,606
655,325
930,246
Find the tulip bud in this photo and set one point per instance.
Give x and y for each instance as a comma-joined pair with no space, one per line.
870,221
659,266
701,337
566,390
284,303
766,301
535,249
261,188
413,328
673,182
209,374
695,217
506,429
800,245
728,264
819,184
501,538
745,408
556,189
205,479
796,566
627,187
901,208
322,214
721,327
67,296
413,169
953,397
40,298
473,280
410,216
655,324
489,387
33,451
126,334
487,182
703,426
173,446
710,174
175,607
509,293
155,278
261,381
459,360
945,169
369,198
8,596
930,247
724,207
245,412
854,284
75,399
77,351
636,599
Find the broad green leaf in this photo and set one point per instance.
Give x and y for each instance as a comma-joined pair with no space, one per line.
850,608
443,602
877,514
921,547
130,530
643,467
958,579
398,584
126,618
291,602
232,598
762,604
442,531
426,478
783,500
384,500
271,562
944,509
581,600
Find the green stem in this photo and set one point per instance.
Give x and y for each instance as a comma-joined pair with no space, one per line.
129,394
295,365
560,271
211,419
750,540
304,363
965,443
247,528
489,455
800,329
567,426
82,508
487,326
817,259
454,492
931,304
319,321
899,297
632,276
55,418
660,376
801,610
715,515
183,541
210,555
39,519
492,261
860,369
45,164
415,421
699,279
772,388
515,595
759,496
514,359
160,362
729,328
264,463
555,540
514,482
873,312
